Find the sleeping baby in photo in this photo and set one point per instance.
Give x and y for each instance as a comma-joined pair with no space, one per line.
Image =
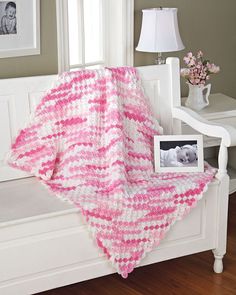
179,156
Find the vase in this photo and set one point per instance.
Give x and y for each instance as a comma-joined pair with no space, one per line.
198,96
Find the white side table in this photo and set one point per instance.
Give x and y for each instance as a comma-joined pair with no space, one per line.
221,109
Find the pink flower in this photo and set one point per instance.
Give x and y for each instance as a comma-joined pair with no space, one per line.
199,54
190,59
212,68
184,72
198,70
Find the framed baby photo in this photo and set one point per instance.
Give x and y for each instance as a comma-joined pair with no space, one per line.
178,153
19,28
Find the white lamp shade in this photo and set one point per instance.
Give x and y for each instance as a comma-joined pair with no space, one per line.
160,31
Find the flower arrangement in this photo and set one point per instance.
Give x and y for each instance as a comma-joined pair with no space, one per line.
198,69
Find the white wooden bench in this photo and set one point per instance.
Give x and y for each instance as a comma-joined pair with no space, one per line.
44,242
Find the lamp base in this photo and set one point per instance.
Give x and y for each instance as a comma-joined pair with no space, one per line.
160,60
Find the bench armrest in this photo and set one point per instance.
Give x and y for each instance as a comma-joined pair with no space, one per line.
225,132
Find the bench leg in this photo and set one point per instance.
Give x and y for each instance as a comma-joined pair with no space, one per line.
218,263
222,214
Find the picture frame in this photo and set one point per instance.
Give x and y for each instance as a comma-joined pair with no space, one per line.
19,28
178,153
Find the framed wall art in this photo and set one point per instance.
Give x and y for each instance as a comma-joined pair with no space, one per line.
19,28
178,153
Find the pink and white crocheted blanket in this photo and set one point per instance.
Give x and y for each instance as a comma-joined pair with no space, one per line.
90,142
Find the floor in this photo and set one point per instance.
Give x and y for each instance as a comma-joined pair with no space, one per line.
183,276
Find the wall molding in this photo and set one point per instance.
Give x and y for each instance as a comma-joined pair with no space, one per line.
62,35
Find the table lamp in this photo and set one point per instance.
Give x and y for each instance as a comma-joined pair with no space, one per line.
160,32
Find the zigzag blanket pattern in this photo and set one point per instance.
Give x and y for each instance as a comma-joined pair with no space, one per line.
90,142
